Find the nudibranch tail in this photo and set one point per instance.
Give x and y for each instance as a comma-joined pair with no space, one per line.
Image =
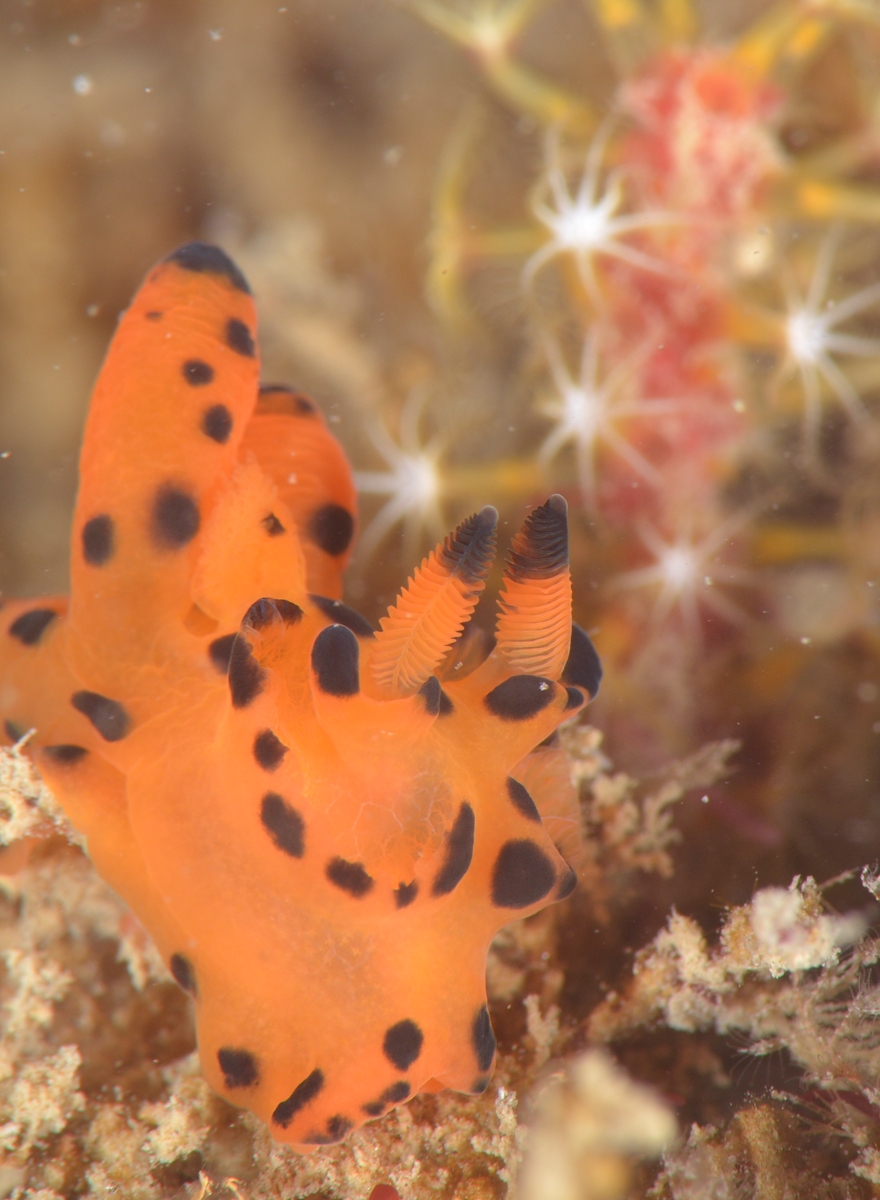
433,608
534,620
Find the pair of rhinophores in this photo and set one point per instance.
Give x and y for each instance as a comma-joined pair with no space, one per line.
321,825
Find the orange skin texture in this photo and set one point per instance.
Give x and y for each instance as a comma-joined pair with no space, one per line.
318,1005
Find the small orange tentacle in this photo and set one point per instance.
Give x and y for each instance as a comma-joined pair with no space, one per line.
434,606
534,619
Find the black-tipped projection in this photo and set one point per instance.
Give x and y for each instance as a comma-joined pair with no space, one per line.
540,549
209,260
468,551
584,669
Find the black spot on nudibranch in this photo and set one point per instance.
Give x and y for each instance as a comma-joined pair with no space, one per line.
284,825
239,338
331,528
483,1039
217,423
301,1095
272,525
197,372
583,668
107,716
154,315
520,697
336,661
246,676
395,1094
446,705
269,750
209,260
522,875
239,1067
65,754
98,537
430,691
175,518
266,610
351,877
30,626
341,614
184,973
402,1044
220,652
522,801
405,893
337,1127
459,852
575,698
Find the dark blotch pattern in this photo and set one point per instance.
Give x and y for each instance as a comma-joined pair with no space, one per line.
520,697
12,731
268,750
239,338
396,1094
483,1039
284,825
522,801
341,614
266,610
575,698
402,1044
446,705
98,540
335,661
459,852
337,1127
583,668
272,525
210,260
522,875
183,972
154,315
107,716
220,652
239,1067
197,372
217,423
351,877
331,527
430,692
301,1095
65,754
405,893
246,677
175,518
30,626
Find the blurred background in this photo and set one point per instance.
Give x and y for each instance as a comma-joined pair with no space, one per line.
626,251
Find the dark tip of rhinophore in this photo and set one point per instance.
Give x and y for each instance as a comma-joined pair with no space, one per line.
470,548
540,549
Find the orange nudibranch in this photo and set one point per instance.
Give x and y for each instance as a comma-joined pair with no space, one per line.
322,825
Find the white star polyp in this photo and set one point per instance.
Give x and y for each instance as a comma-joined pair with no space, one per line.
586,224
412,485
685,571
584,412
811,339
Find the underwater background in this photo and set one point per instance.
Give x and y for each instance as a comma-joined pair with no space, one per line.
623,250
